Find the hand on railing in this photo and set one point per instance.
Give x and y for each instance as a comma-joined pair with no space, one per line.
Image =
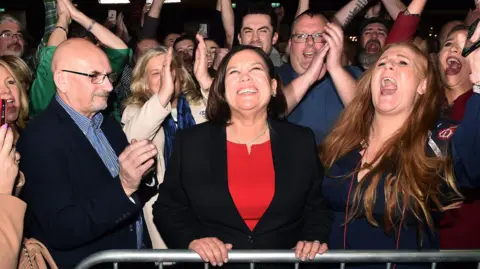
211,249
307,249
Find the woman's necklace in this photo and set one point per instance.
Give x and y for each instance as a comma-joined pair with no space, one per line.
249,143
366,164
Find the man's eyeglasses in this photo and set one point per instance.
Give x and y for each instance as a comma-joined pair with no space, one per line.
96,78
10,35
302,38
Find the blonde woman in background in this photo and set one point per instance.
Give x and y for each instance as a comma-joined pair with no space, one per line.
164,98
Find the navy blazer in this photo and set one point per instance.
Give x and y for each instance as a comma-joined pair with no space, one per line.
194,200
75,207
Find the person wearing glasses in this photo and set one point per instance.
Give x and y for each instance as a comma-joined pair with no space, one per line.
12,41
43,88
85,191
315,100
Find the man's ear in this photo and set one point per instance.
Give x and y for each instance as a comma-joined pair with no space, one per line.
60,81
274,39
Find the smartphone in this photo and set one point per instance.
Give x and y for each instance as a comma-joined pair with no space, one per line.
112,16
4,112
469,45
203,30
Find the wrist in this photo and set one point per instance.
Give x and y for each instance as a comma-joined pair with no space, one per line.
206,83
63,21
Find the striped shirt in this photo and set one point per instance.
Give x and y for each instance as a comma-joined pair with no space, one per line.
91,129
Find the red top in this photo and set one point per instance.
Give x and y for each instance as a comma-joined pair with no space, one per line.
251,180
403,28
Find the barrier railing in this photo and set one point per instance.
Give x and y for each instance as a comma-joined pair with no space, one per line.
252,257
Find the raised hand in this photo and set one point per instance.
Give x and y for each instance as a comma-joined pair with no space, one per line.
62,12
200,67
168,85
334,37
318,68
72,9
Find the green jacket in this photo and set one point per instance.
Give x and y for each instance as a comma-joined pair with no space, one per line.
43,88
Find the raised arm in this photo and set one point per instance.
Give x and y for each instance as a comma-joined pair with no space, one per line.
406,24
303,5
108,38
345,15
466,140
394,7
344,82
152,20
296,90
228,19
59,33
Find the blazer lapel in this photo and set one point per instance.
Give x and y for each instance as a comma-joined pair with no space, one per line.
78,140
282,175
218,168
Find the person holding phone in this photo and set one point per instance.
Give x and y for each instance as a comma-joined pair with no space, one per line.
12,209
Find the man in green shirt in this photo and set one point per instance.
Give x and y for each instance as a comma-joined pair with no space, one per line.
43,88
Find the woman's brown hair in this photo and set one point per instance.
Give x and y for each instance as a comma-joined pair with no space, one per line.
218,110
414,180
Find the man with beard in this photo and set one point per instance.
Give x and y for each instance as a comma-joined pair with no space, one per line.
12,41
373,36
85,191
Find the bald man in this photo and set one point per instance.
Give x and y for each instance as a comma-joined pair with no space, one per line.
84,190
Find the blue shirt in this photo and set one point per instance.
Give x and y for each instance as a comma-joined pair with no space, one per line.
93,132
321,105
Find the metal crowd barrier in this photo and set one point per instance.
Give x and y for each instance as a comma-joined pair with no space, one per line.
252,257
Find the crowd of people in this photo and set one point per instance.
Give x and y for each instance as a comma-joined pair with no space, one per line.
128,140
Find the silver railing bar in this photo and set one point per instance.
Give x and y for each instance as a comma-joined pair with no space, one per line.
284,256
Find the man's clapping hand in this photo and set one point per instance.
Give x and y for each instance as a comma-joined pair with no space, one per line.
135,160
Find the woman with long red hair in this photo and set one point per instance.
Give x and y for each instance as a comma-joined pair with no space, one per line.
390,167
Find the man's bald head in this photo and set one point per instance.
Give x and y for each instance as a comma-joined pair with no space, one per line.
73,50
80,72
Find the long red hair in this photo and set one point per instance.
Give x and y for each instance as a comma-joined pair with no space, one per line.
414,180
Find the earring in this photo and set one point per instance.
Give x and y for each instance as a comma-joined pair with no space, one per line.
274,94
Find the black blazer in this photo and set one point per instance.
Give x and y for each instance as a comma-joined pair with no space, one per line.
194,200
75,207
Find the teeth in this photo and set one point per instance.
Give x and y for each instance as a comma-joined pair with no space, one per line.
452,60
309,53
388,79
247,91
10,101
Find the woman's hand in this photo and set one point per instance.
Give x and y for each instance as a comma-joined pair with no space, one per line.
200,67
211,250
9,160
72,9
167,79
307,249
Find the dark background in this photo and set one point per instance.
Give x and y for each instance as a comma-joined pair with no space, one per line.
175,15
